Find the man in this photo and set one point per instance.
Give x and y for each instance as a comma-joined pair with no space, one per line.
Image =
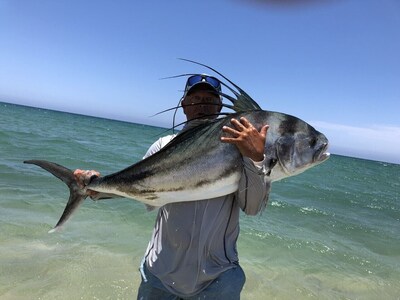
192,252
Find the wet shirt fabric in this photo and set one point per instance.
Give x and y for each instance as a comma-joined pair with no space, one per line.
194,242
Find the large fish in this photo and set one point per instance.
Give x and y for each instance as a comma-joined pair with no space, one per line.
196,165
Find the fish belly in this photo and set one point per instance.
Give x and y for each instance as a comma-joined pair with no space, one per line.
218,188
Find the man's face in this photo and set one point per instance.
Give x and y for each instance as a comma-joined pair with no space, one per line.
201,105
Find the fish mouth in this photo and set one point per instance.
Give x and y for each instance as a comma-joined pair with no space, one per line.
321,154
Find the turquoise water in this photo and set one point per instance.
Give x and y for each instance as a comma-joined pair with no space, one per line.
329,233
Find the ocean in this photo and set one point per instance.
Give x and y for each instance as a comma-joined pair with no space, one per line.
332,232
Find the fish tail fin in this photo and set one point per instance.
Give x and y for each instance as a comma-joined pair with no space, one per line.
77,194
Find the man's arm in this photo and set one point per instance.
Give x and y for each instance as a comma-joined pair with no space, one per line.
254,187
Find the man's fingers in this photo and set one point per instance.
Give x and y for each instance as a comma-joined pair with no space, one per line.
264,130
230,130
245,122
84,177
228,140
242,124
90,176
238,125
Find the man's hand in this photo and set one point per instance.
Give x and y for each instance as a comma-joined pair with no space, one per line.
247,138
83,178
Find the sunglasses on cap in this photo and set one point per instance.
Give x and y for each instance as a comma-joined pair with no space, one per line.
195,79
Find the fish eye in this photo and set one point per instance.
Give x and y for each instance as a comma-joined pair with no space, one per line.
313,142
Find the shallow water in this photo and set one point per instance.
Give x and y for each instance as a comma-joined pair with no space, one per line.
329,233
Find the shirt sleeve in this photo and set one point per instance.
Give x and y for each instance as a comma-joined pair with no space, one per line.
254,187
157,145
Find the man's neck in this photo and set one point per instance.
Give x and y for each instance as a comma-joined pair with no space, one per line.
196,122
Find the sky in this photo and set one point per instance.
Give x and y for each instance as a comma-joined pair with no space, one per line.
333,63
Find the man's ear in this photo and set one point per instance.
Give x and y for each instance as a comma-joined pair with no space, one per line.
220,106
183,105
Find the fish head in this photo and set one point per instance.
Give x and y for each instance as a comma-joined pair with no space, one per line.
301,149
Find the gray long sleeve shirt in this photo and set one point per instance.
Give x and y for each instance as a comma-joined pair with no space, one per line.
194,242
